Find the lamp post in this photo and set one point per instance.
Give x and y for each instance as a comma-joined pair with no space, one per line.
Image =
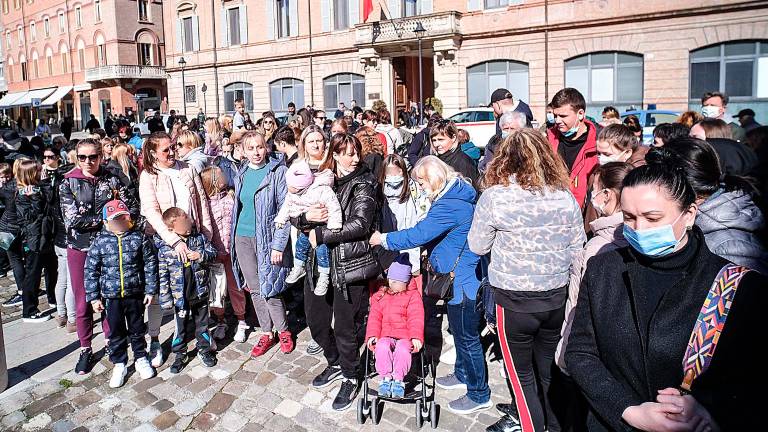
183,63
204,89
419,31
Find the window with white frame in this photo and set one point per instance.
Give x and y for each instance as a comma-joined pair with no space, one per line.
24,75
143,10
78,17
145,54
410,7
101,55
607,78
190,94
32,31
8,39
64,51
235,91
62,22
283,18
484,78
97,10
343,87
341,14
20,32
81,58
47,27
284,91
233,25
493,4
5,7
35,65
187,34
49,61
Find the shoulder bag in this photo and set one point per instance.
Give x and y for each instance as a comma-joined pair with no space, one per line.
440,285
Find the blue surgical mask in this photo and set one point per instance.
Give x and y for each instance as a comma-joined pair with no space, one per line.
571,132
653,242
550,118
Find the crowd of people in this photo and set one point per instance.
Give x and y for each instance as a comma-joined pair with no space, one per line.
596,261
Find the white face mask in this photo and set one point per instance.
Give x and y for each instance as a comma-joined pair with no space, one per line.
603,159
710,111
599,208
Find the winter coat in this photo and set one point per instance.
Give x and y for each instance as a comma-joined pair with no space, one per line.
618,365
171,271
319,192
736,158
54,181
157,196
196,159
82,201
419,146
136,141
268,200
403,216
470,149
222,205
120,266
585,162
608,235
399,316
533,237
392,136
29,216
443,232
731,222
352,257
461,163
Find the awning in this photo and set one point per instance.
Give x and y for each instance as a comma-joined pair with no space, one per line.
56,96
83,87
10,99
34,94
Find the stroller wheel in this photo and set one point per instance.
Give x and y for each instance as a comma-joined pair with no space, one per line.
419,416
433,414
361,411
375,413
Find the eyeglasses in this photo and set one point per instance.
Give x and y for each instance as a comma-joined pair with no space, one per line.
321,118
92,158
49,157
269,122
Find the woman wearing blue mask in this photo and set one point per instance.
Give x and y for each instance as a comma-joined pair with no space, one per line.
401,212
639,306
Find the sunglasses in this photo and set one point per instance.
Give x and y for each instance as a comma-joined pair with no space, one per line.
321,118
49,156
269,122
92,158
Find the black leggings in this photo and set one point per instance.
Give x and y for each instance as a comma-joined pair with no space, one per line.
528,343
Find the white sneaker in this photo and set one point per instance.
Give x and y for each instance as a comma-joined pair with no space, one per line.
118,375
297,272
240,335
321,287
449,357
156,354
143,367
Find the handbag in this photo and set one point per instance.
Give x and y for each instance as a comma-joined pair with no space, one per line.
440,285
710,323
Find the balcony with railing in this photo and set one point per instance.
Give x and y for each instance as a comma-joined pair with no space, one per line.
437,25
111,72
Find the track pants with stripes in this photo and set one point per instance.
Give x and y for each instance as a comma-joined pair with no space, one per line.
528,342
195,319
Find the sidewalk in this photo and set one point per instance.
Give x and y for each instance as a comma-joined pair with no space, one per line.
272,393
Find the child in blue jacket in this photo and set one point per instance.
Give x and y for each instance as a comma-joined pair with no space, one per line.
121,279
184,286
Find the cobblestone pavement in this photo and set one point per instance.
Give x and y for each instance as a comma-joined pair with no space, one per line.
271,393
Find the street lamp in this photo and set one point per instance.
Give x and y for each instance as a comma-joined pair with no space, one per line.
419,31
183,63
204,89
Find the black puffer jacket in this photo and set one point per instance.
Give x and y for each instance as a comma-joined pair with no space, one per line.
54,179
352,257
28,216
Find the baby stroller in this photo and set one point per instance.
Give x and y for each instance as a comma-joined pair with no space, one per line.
370,404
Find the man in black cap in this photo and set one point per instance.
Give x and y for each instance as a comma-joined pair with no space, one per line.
502,101
747,120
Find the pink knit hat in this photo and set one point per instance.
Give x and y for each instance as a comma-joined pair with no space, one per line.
299,176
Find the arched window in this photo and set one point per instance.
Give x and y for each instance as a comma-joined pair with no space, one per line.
46,26
35,65
81,54
235,91
607,78
32,31
10,69
64,51
23,64
484,78
740,69
49,61
343,87
8,39
284,91
101,50
145,44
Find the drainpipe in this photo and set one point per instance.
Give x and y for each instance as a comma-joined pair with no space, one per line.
311,62
75,108
215,57
546,52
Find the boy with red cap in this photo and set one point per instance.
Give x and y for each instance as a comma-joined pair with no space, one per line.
121,279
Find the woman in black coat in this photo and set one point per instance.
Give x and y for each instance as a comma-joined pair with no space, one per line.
636,310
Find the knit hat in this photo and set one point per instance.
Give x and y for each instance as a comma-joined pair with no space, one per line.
114,209
299,176
400,269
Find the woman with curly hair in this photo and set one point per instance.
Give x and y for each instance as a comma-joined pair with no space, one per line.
373,149
531,223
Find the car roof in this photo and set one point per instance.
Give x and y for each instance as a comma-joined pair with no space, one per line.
635,112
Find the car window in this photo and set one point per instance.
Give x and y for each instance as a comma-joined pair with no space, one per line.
483,116
462,117
655,119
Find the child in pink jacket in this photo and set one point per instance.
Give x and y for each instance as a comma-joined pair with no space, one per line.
395,327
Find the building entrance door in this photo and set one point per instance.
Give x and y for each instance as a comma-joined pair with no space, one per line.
405,81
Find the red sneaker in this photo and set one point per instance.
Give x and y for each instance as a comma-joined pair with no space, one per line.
263,345
286,342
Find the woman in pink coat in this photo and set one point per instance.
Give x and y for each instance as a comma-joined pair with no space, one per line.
395,328
165,183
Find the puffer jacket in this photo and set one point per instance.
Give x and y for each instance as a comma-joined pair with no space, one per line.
731,221
443,232
222,205
55,178
352,257
533,237
171,271
82,201
28,216
196,158
319,192
608,236
157,196
268,199
399,316
120,265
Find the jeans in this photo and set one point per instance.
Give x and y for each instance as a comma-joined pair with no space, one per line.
321,253
65,298
126,321
393,357
470,368
528,343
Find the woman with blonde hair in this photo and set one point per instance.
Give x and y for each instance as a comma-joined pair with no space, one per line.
443,232
214,134
107,144
269,125
313,146
124,161
189,149
225,120
531,224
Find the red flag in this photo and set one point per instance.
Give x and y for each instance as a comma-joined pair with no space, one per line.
367,9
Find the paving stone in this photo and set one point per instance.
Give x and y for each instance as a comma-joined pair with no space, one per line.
252,427
288,408
184,422
264,378
146,414
312,398
278,423
200,384
219,403
62,425
198,372
147,384
204,421
13,419
144,399
59,411
234,388
219,374
80,429
86,399
181,380
269,400
37,422
146,427
43,404
163,405
110,403
232,421
244,376
189,406
230,355
165,420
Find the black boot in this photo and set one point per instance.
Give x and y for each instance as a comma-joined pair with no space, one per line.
505,424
